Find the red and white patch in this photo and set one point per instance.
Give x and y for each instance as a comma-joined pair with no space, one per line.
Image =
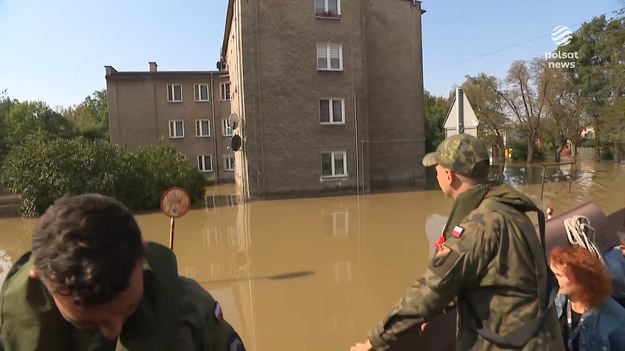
457,232
219,314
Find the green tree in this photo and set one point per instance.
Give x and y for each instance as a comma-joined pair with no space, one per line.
488,105
90,116
34,117
565,111
598,76
523,93
436,108
5,106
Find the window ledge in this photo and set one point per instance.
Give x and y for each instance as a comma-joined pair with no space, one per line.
174,101
330,17
202,136
202,101
329,69
332,123
334,178
176,137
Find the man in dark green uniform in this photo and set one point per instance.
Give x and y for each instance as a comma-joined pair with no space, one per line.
489,261
91,283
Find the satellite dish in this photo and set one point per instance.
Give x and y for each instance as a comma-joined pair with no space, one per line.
219,65
235,143
233,121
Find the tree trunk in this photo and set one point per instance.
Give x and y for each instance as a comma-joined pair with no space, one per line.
597,151
557,152
617,152
501,157
530,148
573,151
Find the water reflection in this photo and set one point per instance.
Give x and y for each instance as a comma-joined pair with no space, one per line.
321,272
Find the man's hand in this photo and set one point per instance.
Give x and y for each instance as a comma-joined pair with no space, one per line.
362,347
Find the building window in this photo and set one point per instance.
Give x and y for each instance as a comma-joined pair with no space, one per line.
332,111
202,128
328,8
174,92
229,163
205,163
333,164
225,91
227,129
201,92
176,129
329,57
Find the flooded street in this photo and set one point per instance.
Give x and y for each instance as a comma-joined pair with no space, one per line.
317,274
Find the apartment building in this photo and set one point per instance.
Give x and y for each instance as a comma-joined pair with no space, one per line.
328,94
188,109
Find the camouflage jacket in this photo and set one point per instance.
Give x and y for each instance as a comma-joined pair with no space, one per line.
492,271
175,314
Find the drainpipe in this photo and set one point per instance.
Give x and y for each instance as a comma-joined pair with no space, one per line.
213,135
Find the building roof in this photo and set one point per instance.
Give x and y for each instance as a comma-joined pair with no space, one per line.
112,73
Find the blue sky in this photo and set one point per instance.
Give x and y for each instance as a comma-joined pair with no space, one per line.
56,50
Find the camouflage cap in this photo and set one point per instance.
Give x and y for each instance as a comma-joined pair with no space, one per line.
460,153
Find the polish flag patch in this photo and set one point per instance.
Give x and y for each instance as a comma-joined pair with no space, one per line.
457,232
219,314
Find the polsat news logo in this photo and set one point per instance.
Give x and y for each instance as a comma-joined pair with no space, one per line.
561,36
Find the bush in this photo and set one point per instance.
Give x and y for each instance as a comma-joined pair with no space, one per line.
44,169
519,152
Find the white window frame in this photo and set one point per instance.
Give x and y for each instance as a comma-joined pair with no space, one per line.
342,272
325,49
211,237
227,130
204,166
197,88
224,89
331,111
173,130
199,130
326,9
227,166
171,92
332,159
340,224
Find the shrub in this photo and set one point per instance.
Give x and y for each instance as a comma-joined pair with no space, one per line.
43,169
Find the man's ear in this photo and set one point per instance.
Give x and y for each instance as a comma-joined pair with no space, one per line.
33,274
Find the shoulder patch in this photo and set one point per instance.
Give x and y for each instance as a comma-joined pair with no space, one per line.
441,256
444,261
457,232
219,313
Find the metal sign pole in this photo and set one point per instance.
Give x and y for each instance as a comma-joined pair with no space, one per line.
171,233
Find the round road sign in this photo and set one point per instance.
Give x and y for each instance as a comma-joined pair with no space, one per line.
175,202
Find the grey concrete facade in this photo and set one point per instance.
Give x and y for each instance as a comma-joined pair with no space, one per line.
186,109
277,55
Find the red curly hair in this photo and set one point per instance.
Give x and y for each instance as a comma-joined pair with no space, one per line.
586,272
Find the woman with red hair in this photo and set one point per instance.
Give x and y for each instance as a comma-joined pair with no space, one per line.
590,318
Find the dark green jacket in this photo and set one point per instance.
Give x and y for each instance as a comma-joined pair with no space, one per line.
30,320
489,267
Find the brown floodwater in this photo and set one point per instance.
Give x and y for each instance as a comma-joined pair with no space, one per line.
317,274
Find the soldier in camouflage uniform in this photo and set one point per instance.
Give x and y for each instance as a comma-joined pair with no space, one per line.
91,283
489,261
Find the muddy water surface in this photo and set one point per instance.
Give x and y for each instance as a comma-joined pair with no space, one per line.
316,274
